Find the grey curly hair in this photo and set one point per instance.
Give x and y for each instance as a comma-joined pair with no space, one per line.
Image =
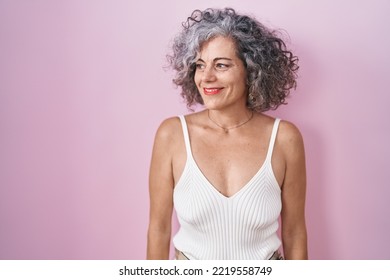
271,68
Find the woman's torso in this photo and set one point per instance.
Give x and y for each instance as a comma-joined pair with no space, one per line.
227,161
227,196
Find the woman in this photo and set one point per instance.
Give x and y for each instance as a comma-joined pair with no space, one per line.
229,170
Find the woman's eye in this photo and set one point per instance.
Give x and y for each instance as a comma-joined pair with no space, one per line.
199,66
221,66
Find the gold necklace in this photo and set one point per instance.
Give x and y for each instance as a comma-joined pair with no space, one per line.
226,129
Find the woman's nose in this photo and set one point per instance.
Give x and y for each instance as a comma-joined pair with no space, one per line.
208,74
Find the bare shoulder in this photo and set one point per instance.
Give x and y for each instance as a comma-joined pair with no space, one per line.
168,129
167,135
289,132
289,137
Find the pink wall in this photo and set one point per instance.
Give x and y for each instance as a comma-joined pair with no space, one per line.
82,91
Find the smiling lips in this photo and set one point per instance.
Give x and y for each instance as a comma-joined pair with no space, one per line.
211,91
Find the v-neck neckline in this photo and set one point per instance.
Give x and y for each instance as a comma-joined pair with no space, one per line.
215,189
190,157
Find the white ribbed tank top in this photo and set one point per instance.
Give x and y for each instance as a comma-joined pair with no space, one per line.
213,226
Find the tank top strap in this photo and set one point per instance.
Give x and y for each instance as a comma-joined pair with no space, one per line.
273,138
186,135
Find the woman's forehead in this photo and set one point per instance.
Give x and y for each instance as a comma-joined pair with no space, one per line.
218,47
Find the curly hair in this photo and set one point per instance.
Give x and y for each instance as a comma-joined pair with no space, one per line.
271,68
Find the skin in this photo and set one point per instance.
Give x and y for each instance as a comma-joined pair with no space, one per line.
227,159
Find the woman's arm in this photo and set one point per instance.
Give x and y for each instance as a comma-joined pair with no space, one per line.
294,234
161,185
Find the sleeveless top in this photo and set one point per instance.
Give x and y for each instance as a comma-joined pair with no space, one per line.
213,226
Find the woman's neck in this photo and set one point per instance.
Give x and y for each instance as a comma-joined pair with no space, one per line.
230,119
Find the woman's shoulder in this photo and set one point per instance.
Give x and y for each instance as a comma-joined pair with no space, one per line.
168,129
286,128
168,136
172,127
288,131
289,137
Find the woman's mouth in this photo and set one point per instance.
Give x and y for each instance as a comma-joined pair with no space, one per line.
211,91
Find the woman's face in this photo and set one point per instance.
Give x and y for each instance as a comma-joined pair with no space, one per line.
220,75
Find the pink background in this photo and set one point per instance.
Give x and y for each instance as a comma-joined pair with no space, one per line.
83,90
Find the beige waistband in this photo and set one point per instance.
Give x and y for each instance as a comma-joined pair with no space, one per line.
276,256
180,256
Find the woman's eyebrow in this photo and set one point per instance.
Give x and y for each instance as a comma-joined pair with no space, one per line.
218,58
215,59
